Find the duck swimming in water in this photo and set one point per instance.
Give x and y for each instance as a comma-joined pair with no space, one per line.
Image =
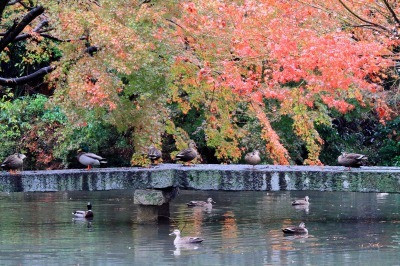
84,214
207,204
186,239
301,229
304,201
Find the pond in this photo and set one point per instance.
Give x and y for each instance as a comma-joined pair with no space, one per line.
242,228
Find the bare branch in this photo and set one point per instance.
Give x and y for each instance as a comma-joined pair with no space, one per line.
17,81
363,20
43,23
392,12
21,3
17,28
44,35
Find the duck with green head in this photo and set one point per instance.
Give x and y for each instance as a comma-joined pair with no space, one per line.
84,214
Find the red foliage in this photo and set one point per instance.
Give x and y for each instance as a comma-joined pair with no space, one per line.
262,49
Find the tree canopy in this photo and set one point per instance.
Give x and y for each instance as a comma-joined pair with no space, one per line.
245,72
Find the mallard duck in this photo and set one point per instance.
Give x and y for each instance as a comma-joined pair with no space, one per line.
352,159
13,162
301,201
186,239
188,154
206,204
301,229
253,158
84,214
89,159
153,154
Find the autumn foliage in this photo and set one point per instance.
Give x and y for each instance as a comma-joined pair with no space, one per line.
287,51
131,64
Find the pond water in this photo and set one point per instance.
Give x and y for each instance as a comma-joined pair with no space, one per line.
243,228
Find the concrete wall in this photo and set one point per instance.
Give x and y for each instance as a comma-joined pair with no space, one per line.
208,177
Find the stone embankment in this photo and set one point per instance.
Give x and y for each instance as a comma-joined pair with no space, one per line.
208,177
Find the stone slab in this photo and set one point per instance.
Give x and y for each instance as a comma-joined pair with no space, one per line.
208,177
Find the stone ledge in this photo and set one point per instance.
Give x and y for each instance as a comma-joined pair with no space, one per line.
208,177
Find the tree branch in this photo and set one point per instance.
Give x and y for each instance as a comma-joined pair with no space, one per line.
363,20
17,28
392,12
22,80
44,35
3,5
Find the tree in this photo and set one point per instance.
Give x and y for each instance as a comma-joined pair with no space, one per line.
20,18
106,72
242,67
286,51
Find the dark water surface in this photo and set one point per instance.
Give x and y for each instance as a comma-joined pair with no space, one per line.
243,228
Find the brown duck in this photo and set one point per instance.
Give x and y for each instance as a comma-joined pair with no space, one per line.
206,204
304,201
352,159
154,154
301,229
13,163
186,239
253,158
187,155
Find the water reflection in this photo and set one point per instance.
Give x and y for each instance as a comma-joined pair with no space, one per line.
88,222
305,208
180,248
242,228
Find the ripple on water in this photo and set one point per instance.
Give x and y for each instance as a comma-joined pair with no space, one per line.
243,228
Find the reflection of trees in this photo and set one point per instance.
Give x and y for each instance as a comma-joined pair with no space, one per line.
190,224
197,219
229,230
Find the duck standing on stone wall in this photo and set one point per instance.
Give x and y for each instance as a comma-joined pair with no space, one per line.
253,158
13,163
352,159
89,159
187,155
154,155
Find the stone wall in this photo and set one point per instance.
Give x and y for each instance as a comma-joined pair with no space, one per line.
208,177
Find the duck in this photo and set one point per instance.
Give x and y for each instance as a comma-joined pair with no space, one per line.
14,162
185,240
352,159
187,155
207,204
84,214
253,158
301,229
153,154
304,201
89,159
